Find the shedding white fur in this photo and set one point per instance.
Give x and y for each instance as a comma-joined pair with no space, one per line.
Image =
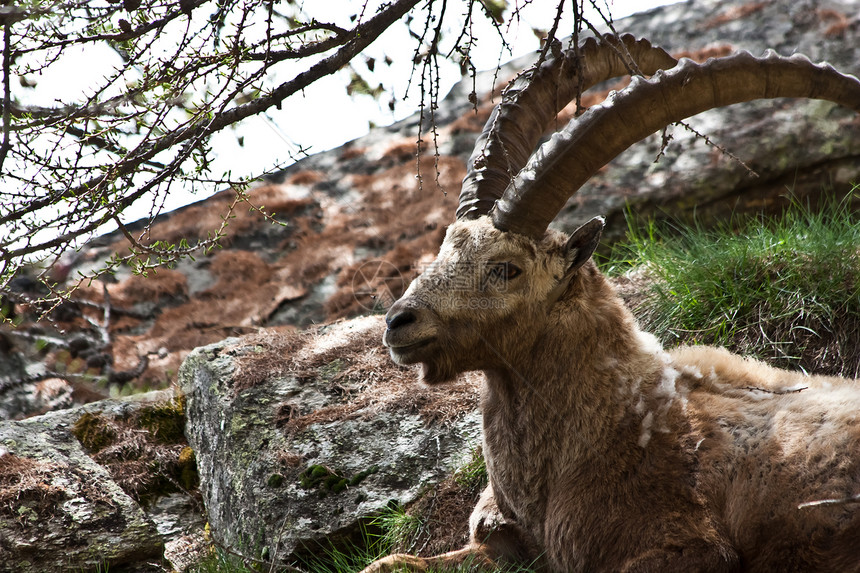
645,435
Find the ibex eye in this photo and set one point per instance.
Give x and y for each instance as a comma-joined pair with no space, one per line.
512,271
498,274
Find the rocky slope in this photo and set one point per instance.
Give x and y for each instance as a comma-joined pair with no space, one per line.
357,224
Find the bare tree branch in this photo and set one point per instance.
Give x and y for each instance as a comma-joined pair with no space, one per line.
187,69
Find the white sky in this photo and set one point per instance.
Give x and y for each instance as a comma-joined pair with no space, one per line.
324,116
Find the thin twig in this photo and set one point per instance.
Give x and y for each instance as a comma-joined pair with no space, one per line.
7,97
719,147
193,134
839,501
549,43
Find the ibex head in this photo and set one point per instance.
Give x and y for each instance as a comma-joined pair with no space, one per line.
486,294
500,274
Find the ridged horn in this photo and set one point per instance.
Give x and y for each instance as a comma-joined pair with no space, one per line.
562,165
533,100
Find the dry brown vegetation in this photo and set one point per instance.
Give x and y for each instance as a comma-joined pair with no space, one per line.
263,268
704,54
838,22
355,367
156,287
145,453
472,121
444,516
734,13
27,491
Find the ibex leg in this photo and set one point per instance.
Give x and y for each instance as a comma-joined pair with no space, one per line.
494,540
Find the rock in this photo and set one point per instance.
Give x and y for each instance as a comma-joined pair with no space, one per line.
299,436
23,398
79,487
60,510
187,551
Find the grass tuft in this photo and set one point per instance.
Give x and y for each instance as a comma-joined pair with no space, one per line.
472,475
220,561
786,288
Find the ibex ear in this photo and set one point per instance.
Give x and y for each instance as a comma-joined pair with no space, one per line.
583,243
579,248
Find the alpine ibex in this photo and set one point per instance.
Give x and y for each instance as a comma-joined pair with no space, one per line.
605,452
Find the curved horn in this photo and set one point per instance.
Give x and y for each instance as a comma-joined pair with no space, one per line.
531,102
562,165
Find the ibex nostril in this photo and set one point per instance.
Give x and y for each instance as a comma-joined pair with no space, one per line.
400,319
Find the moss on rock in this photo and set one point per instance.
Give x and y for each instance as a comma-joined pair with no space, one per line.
94,432
328,481
165,421
145,451
330,370
189,479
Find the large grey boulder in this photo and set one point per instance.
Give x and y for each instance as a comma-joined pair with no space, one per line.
299,435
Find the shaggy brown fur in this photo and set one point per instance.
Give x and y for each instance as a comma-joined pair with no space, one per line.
606,453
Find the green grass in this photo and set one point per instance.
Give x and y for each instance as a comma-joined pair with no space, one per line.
391,531
221,562
472,474
347,559
783,288
398,531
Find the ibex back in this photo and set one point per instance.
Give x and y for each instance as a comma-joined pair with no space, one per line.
605,452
